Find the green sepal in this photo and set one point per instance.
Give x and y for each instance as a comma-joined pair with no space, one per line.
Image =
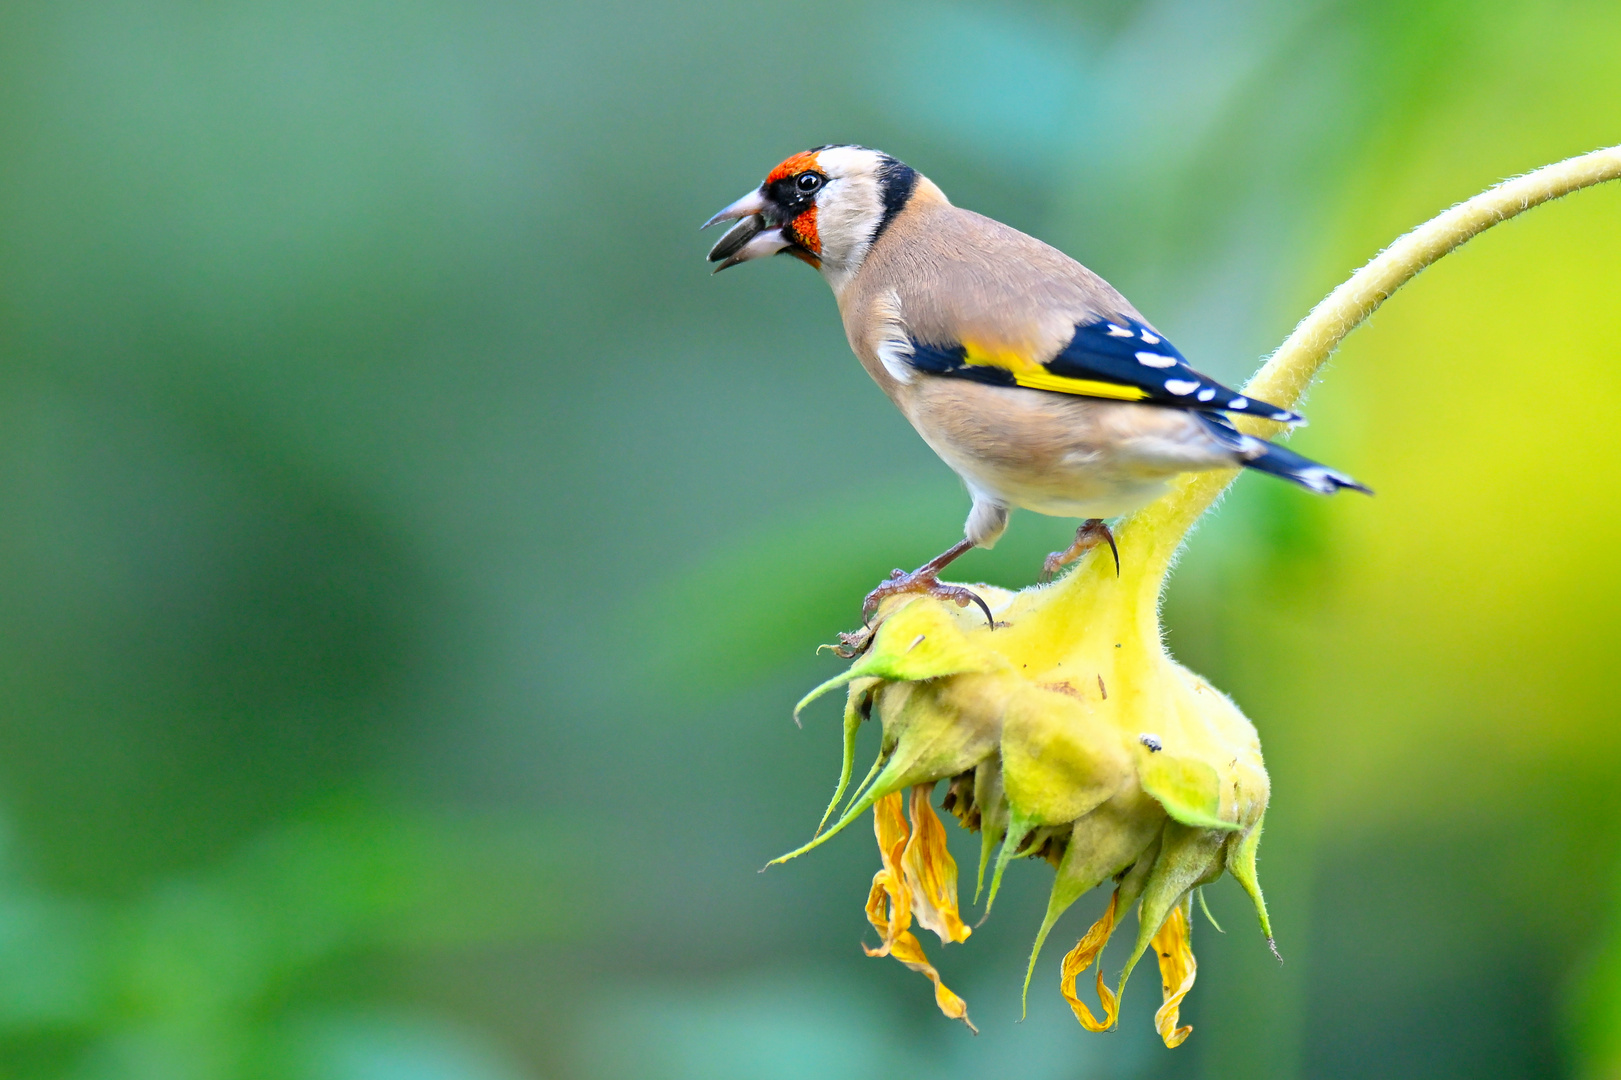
1101,845
1188,857
1241,864
1131,884
1189,789
855,810
993,814
932,730
857,706
1018,831
872,773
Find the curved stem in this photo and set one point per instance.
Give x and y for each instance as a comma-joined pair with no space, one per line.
1157,530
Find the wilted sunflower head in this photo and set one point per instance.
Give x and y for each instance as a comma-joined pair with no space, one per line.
1065,732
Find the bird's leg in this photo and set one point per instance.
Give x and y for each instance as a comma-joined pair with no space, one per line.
1091,533
924,580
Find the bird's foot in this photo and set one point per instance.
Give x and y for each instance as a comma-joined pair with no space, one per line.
924,581
1091,534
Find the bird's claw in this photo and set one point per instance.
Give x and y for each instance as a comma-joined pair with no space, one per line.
924,582
920,582
1090,535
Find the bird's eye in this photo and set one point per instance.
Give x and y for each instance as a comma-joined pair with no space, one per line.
808,182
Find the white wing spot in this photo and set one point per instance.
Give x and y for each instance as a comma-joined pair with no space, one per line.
1239,403
1318,479
1150,338
1156,360
896,357
894,348
1181,386
1207,393
1117,331
1283,417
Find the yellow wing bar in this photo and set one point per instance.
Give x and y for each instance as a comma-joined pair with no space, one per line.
1028,373
1084,387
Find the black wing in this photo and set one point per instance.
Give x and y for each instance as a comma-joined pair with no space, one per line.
1119,359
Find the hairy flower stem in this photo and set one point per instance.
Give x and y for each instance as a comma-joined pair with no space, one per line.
1288,371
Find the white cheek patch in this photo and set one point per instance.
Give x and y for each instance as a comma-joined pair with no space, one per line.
849,207
846,214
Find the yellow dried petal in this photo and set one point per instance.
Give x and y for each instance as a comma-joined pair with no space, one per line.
931,872
1079,959
1173,946
909,951
889,903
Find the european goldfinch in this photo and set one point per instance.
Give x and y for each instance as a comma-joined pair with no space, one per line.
1030,376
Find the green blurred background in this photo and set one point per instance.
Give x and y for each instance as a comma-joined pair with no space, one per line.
409,555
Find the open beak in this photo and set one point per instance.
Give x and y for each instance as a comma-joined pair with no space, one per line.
749,238
752,203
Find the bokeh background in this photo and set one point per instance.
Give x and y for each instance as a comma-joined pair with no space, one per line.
409,554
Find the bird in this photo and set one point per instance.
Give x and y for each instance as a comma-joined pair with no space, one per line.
1034,379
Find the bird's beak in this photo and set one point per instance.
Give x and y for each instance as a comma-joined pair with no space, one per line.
749,238
752,203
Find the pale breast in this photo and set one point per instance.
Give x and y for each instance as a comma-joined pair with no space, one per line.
1059,454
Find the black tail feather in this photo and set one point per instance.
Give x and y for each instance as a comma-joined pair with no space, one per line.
1280,461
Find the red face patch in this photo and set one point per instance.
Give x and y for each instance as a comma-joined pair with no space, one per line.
796,164
804,230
